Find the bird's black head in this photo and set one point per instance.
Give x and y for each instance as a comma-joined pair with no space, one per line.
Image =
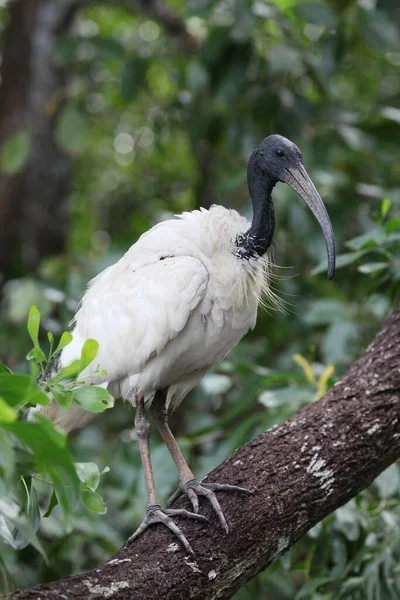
278,159
275,155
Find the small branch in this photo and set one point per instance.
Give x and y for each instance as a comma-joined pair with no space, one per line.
174,26
300,470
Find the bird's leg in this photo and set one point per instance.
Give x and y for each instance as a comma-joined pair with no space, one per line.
155,514
188,484
143,429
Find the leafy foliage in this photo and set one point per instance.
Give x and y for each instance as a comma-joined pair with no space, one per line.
154,131
37,470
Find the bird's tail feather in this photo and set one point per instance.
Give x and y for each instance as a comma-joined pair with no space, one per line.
74,418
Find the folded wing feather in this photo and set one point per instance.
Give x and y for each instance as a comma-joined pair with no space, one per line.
133,314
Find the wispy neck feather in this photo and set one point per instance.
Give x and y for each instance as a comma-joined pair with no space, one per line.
258,238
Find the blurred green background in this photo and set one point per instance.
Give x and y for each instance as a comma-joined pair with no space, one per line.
116,115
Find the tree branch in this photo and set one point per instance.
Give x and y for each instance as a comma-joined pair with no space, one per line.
174,26
301,471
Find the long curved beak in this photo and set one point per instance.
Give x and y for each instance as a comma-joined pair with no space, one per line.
299,180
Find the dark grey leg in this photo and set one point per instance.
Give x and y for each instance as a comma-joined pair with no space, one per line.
155,514
187,483
143,430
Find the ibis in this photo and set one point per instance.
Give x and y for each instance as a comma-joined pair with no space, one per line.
174,305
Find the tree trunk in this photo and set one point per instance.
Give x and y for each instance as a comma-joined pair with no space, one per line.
34,201
300,471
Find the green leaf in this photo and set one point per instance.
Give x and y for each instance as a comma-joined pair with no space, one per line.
14,153
93,501
371,239
372,267
65,339
51,456
33,329
385,207
390,112
7,455
394,238
341,261
71,129
7,586
19,390
23,532
7,413
62,395
309,589
53,434
52,504
5,528
320,312
93,399
4,369
70,373
350,585
36,354
67,374
88,353
32,512
278,398
88,474
33,325
392,225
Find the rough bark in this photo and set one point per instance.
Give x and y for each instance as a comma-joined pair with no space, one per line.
32,210
300,470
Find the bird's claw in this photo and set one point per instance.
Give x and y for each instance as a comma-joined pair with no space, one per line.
193,489
155,514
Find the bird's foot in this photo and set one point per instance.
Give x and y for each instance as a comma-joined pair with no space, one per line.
193,489
155,514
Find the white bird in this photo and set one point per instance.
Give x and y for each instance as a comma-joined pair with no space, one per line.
175,304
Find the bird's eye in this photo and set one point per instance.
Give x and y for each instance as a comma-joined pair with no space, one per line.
279,153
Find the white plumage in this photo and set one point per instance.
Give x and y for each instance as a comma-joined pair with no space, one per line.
178,301
172,307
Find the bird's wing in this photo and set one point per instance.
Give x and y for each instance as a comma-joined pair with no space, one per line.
133,314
